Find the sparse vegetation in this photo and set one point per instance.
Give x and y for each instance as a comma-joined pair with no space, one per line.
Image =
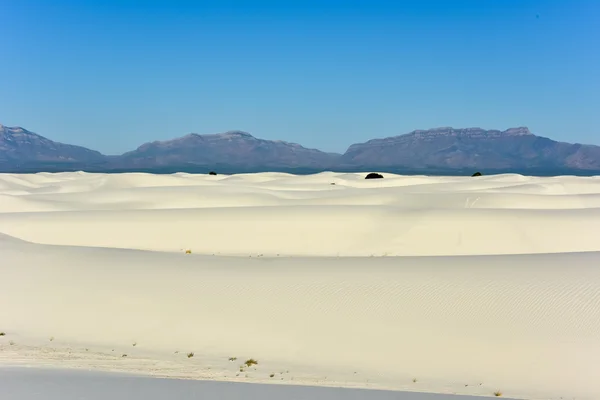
52,338
124,355
250,362
190,354
232,358
188,252
212,173
272,375
477,174
134,344
374,175
497,393
2,334
414,380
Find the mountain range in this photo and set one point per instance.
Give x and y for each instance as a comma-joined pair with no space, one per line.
440,150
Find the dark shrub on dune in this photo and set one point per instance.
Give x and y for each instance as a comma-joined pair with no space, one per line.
477,174
374,175
212,173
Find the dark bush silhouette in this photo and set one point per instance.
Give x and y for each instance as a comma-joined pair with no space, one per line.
477,174
374,175
212,173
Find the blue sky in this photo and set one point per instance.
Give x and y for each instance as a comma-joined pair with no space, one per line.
111,75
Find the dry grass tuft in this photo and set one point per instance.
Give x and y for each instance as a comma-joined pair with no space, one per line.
250,362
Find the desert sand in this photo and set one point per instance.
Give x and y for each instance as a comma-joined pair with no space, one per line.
433,284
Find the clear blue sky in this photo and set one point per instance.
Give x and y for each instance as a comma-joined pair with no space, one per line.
111,75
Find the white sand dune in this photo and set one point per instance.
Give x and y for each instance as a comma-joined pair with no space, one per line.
510,303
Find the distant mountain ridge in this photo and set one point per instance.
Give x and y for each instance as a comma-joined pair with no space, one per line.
440,149
445,132
472,148
19,146
235,148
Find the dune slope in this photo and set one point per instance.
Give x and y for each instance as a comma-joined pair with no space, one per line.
281,214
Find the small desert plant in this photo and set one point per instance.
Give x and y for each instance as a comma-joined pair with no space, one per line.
134,344
497,393
190,354
188,252
212,173
414,380
52,338
272,375
124,355
477,174
2,334
232,358
250,362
